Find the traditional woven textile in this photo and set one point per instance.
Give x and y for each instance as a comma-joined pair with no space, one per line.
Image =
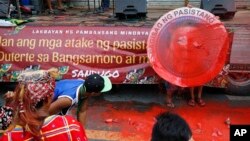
55,128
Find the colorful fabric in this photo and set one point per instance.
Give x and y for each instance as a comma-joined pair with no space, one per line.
39,85
33,76
6,115
40,91
55,128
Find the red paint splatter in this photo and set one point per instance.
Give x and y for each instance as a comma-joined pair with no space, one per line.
207,123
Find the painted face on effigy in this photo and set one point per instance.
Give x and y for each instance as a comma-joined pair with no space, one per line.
187,51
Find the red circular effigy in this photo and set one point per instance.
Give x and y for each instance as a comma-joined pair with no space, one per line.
188,46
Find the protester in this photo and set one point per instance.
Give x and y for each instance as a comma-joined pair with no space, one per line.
31,120
59,7
105,5
199,100
170,90
73,94
171,127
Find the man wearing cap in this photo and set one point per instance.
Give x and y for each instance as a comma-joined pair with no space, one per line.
70,93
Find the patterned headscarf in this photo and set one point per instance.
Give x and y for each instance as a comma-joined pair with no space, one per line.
6,115
38,85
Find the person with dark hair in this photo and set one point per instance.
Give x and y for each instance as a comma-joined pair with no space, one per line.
30,119
171,127
71,94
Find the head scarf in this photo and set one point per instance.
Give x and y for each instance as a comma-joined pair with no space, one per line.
38,85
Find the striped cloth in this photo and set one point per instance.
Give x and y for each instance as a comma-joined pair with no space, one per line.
55,128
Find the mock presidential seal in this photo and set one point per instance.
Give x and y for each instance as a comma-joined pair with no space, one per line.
188,46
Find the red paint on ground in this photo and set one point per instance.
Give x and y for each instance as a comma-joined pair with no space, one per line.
207,123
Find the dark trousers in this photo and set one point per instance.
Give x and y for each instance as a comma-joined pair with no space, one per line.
105,4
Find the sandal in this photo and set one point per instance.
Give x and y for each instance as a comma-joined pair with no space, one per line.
201,102
170,105
191,102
